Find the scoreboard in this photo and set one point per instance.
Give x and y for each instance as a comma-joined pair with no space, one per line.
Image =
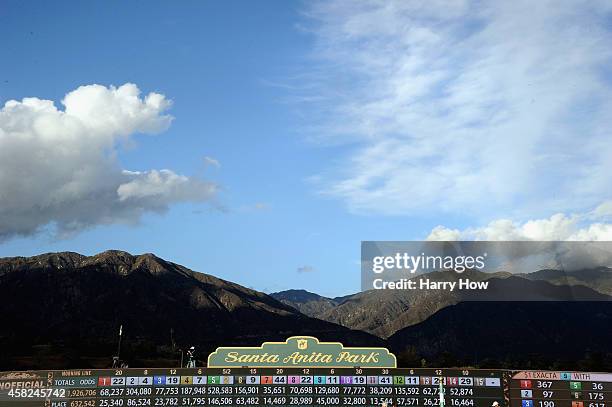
357,387
304,372
254,387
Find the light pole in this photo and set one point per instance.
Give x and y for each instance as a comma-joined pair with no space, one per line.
117,357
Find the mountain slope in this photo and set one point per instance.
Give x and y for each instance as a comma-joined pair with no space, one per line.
513,334
72,304
306,302
383,312
599,279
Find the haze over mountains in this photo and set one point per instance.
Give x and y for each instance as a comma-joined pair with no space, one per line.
64,310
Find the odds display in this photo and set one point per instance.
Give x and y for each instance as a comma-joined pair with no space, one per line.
302,371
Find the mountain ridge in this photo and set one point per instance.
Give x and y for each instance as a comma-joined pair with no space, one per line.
63,310
72,306
384,312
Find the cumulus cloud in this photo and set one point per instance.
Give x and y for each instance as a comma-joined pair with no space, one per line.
588,226
305,269
465,107
59,167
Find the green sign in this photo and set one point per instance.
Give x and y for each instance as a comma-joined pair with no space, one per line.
301,351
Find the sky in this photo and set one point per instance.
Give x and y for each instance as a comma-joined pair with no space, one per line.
261,142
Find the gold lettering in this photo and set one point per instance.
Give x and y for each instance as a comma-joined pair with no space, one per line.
236,357
349,357
231,357
373,357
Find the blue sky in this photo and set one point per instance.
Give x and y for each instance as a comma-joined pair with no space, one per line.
324,123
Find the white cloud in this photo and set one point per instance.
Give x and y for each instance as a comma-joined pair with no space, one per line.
558,227
596,231
476,108
442,233
164,186
212,162
59,167
604,210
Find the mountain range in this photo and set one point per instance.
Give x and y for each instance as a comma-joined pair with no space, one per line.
384,312
62,310
68,306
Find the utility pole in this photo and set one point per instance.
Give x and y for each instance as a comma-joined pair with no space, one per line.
172,342
117,357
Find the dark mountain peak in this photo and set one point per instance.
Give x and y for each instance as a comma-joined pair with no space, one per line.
60,260
117,258
118,261
297,296
153,264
